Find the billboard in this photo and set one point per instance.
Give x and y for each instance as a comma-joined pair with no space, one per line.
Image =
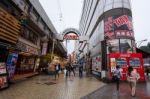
96,63
118,27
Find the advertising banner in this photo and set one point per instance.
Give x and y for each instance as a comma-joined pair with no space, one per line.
96,63
3,82
118,27
11,64
2,68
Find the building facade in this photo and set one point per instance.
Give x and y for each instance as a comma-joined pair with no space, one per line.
26,33
108,23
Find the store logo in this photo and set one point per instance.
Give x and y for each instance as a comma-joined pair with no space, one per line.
123,20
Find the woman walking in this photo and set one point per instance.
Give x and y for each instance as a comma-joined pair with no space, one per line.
133,76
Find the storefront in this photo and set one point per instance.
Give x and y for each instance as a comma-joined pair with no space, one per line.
3,70
9,30
28,60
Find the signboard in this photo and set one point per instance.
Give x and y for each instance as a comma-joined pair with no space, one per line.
11,63
71,36
26,48
112,64
96,63
118,27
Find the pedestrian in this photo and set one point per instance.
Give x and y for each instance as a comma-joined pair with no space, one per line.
80,71
132,78
57,68
116,76
67,70
147,72
72,69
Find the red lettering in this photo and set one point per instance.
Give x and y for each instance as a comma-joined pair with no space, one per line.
121,20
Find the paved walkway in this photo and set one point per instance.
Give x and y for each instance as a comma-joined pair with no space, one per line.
109,92
45,87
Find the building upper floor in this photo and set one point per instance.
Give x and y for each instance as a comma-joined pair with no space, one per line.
36,26
93,9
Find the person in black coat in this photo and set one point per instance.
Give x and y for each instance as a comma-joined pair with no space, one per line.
57,68
80,71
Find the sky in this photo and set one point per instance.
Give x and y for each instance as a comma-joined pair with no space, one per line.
66,13
141,22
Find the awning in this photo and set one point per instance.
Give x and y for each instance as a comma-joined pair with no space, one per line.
144,54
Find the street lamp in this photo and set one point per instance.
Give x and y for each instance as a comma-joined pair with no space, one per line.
140,42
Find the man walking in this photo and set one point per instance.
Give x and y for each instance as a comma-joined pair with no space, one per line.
117,75
57,68
80,71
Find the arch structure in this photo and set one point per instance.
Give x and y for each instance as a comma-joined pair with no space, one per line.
71,34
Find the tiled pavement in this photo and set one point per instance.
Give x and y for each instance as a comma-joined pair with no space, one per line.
35,88
109,92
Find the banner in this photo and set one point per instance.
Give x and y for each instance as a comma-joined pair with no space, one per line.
11,63
118,27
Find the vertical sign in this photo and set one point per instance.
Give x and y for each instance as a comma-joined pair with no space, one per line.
11,63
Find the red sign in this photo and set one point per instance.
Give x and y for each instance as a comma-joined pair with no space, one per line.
71,37
123,20
118,27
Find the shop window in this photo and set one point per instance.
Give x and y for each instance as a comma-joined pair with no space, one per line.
42,24
35,15
125,46
113,45
33,37
29,35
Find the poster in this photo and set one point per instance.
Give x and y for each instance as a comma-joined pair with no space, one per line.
11,63
112,64
96,63
2,68
3,82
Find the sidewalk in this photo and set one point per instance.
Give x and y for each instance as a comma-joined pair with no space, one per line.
109,92
23,76
45,87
